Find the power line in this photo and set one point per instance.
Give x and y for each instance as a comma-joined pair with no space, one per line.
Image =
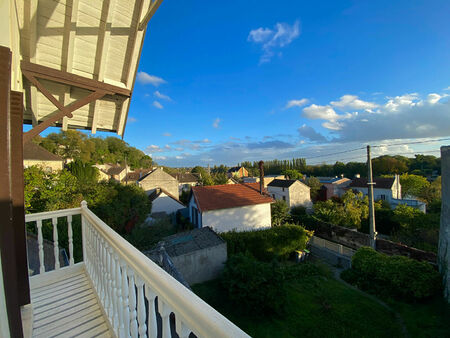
415,142
337,153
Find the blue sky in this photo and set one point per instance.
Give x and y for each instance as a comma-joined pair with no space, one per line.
224,82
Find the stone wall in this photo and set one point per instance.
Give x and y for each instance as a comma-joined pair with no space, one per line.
355,240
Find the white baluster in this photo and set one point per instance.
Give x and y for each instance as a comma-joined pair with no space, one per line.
119,297
165,314
55,242
83,230
70,234
152,324
141,308
114,293
105,277
125,302
110,286
133,312
182,329
41,247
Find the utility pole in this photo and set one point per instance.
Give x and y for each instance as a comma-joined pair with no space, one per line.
370,183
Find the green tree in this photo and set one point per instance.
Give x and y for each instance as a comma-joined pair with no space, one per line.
280,213
413,185
220,178
292,174
315,185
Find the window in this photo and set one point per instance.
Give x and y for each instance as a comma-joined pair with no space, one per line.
284,198
383,197
283,189
273,195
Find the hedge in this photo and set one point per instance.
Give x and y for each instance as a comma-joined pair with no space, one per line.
396,276
268,244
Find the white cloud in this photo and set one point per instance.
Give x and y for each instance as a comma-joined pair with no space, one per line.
160,158
271,39
315,112
216,122
157,105
167,134
145,78
434,98
448,88
296,103
132,119
162,96
151,149
395,104
352,102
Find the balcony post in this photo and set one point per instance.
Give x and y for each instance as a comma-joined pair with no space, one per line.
83,228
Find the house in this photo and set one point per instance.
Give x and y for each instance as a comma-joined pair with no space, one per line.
238,172
134,176
164,202
73,65
158,178
294,192
267,179
385,188
232,180
38,156
198,255
114,172
239,207
186,181
335,186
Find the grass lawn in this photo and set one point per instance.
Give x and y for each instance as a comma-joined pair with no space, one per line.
430,319
317,307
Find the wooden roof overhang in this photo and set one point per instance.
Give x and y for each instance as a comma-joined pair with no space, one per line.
79,60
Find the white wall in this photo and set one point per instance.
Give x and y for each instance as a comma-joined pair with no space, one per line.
278,193
376,193
164,203
299,194
245,218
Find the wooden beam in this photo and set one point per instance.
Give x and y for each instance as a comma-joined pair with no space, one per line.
70,25
9,264
43,90
55,75
65,111
30,23
123,116
102,50
154,5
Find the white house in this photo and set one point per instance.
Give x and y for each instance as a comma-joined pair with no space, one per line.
385,188
294,192
239,207
164,202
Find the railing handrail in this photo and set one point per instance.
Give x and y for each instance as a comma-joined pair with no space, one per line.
51,214
204,322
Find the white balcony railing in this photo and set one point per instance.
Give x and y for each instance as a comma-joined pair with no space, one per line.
137,296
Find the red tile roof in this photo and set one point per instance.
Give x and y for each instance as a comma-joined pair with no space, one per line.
229,196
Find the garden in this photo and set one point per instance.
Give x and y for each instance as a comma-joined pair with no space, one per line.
267,294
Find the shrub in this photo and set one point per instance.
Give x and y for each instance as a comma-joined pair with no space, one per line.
395,276
254,287
268,244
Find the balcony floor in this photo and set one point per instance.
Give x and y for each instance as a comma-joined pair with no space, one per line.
65,305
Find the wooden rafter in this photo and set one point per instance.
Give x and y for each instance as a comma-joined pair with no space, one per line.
154,5
60,76
63,111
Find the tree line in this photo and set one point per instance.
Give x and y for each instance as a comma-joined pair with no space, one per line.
74,145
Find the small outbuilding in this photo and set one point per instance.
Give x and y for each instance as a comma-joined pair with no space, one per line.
198,255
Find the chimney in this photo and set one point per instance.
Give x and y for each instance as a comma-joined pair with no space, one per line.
261,177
